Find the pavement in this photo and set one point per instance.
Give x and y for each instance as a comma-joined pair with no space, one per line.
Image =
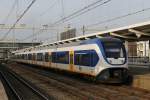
141,76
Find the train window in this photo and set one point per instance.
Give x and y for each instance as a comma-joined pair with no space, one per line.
86,58
19,57
39,56
25,56
114,49
33,57
54,57
46,57
94,58
60,57
63,57
29,56
50,58
22,56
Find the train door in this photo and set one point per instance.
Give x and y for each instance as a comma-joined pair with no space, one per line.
83,60
79,61
72,61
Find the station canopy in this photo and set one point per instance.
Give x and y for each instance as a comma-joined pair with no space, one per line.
135,32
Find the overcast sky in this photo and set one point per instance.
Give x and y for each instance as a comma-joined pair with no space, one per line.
46,12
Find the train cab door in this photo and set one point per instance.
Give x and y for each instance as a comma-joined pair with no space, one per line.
71,61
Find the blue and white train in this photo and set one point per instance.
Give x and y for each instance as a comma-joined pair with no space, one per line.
104,59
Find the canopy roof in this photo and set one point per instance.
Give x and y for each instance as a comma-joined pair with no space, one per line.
135,32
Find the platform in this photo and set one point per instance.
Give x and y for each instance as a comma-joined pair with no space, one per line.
3,95
142,81
141,76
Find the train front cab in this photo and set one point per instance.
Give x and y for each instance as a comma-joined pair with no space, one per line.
115,68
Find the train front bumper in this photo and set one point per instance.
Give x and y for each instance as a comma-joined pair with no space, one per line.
113,75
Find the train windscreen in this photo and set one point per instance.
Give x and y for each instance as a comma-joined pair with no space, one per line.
114,49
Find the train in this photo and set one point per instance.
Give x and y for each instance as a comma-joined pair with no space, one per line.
104,59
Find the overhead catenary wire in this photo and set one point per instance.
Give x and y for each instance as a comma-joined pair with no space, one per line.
88,10
81,11
42,14
21,16
118,17
50,7
76,13
113,19
62,7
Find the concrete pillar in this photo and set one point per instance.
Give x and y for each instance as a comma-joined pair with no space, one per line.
126,46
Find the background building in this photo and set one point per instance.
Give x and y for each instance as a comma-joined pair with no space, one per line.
143,49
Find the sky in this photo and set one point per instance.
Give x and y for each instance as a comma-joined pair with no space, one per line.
47,12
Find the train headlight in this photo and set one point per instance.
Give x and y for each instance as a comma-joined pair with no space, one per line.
110,61
122,61
116,74
106,77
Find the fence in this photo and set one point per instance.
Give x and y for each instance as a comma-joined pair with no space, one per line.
138,60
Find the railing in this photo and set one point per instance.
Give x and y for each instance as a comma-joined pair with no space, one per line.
138,60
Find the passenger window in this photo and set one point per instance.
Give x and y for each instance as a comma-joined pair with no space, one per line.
29,56
60,57
46,57
54,57
26,57
50,58
39,56
33,57
86,58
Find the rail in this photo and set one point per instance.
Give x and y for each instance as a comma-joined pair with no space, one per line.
12,78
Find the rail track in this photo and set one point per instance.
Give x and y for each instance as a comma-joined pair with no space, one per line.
66,87
19,89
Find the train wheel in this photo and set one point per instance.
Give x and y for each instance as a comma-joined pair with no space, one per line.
128,80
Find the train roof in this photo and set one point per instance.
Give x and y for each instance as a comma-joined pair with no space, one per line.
86,41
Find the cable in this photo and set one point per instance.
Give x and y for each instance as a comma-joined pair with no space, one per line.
119,17
47,10
63,10
82,11
42,14
89,10
78,13
6,34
